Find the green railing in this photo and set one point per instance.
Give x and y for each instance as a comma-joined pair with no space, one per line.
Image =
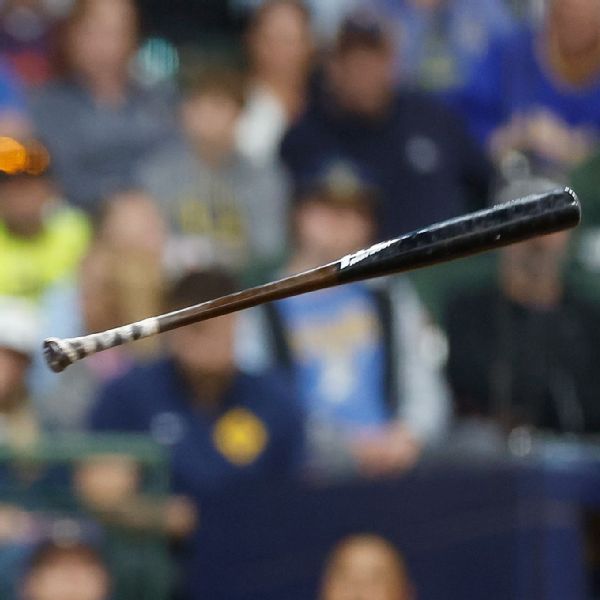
41,481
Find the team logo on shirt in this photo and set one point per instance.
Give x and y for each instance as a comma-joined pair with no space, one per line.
423,154
240,436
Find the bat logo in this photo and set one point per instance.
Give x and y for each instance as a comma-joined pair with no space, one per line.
352,259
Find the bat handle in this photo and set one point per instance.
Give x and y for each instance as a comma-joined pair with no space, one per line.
61,353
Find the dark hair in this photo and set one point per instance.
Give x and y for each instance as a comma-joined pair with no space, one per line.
200,286
361,31
220,79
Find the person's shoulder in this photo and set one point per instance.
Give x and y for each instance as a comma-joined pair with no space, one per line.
172,154
426,109
419,102
271,390
68,220
140,378
55,91
248,170
272,379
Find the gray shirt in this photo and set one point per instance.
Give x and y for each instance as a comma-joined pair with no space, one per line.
228,215
95,149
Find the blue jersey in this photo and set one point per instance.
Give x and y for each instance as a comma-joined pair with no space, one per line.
513,80
337,350
438,48
255,436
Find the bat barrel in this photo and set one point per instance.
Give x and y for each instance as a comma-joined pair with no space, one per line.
478,232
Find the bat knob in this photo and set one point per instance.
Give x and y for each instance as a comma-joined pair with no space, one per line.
56,356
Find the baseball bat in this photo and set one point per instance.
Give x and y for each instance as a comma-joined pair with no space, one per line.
463,236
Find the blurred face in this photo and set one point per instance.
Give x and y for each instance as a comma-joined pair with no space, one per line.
68,577
363,80
105,482
330,232
205,348
13,368
538,258
366,569
99,290
210,118
282,43
22,204
576,23
103,40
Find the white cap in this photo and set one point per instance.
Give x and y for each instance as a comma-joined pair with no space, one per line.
19,325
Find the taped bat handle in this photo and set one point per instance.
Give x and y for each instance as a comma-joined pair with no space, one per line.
61,353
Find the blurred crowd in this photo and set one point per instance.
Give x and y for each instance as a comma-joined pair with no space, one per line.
139,175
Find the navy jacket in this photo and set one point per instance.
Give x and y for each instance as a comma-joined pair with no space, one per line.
420,155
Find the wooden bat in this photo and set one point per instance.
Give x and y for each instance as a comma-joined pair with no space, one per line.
470,234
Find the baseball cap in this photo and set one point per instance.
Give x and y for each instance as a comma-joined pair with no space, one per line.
361,29
339,182
19,325
23,158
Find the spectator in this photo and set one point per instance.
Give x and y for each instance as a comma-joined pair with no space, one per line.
66,572
280,46
120,280
111,487
523,351
418,153
41,240
438,43
19,426
222,427
25,32
326,16
219,208
366,567
97,121
538,90
360,354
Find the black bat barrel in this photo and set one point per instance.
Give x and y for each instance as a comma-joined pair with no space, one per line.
471,234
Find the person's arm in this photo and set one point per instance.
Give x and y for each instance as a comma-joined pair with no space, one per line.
422,391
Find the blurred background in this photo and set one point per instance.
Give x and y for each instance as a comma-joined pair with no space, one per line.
425,436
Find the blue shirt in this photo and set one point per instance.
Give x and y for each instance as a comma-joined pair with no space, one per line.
513,79
336,343
438,48
256,435
96,148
